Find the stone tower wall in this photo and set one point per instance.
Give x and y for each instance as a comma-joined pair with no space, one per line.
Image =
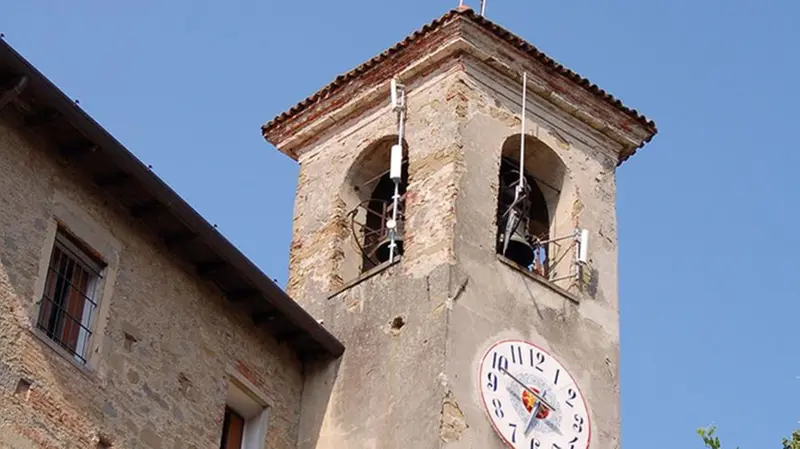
388,390
414,385
451,291
576,322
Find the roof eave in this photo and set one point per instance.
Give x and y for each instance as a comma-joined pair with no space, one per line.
272,130
50,95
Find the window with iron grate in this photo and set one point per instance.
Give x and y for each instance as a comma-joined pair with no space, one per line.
70,296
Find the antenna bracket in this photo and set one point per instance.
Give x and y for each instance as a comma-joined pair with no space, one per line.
398,91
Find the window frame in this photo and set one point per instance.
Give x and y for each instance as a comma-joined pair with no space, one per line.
246,400
48,321
100,247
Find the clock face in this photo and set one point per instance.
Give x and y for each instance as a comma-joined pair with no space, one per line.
531,399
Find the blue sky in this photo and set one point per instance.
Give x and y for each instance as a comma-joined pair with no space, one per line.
707,212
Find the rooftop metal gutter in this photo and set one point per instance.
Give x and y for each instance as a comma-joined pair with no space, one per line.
49,94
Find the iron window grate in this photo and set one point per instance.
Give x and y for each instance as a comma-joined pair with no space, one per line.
69,299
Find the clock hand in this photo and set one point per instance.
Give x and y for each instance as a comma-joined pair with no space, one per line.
532,420
535,394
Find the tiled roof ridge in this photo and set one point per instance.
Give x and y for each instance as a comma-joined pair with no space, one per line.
492,27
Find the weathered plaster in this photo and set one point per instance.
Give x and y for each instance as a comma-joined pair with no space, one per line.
416,387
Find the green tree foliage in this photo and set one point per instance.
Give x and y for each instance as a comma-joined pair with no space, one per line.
707,434
712,442
794,443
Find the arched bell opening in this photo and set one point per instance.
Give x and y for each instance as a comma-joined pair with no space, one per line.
369,200
379,215
524,219
528,205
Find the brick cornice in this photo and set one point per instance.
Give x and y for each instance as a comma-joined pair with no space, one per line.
443,39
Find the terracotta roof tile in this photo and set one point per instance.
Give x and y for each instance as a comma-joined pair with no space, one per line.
490,26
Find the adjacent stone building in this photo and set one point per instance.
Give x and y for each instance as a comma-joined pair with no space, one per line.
127,320
434,222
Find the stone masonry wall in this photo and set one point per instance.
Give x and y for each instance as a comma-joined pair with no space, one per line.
416,386
321,227
457,125
387,390
165,390
499,302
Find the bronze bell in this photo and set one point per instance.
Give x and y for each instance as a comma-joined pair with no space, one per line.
382,250
519,249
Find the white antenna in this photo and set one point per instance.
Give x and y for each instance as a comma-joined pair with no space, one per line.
460,3
521,184
394,94
396,163
583,247
483,7
581,239
396,160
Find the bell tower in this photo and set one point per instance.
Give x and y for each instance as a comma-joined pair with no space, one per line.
457,231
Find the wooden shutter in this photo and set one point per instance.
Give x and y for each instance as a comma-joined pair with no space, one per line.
233,430
74,302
